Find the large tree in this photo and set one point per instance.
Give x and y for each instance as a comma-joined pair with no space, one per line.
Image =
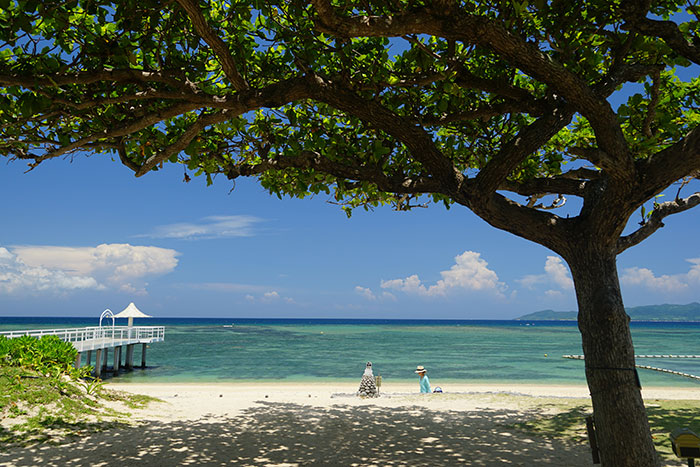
499,106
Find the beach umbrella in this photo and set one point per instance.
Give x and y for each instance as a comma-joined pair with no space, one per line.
131,312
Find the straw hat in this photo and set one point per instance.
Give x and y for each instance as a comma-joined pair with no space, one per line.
420,369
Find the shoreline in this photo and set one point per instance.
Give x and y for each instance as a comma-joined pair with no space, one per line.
402,387
410,385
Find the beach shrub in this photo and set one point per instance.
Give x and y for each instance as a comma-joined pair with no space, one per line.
55,354
46,355
4,348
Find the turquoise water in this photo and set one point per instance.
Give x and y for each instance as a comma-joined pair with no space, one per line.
203,350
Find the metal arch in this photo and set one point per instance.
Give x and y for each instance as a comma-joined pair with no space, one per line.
107,314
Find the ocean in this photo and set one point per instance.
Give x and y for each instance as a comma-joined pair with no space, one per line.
297,350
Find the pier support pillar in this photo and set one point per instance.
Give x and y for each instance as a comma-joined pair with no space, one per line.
77,360
89,357
129,360
143,356
105,353
98,363
117,358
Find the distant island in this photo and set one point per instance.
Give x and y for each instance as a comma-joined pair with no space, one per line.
689,312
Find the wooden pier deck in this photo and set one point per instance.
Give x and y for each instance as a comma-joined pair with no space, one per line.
100,340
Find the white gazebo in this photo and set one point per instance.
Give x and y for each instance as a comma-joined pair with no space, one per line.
131,312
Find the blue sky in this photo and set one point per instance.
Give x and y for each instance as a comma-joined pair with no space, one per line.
84,235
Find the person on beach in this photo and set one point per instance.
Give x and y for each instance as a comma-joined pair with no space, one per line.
423,379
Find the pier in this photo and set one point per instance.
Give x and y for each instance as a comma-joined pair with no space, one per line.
100,340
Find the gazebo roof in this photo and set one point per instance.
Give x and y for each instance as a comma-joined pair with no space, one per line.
131,312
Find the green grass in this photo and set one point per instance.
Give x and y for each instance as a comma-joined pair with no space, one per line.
570,423
36,408
133,401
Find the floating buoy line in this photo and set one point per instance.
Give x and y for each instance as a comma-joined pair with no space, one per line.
647,367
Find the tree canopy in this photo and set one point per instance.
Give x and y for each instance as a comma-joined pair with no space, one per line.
373,102
501,106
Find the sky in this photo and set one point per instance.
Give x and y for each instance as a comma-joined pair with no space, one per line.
83,235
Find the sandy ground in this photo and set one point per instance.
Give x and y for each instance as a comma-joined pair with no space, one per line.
280,424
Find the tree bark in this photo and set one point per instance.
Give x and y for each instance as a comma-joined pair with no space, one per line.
621,422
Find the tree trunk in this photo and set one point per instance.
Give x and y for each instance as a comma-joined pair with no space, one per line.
621,422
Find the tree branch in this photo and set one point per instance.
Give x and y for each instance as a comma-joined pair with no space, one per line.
123,130
545,186
198,99
183,141
418,141
667,166
274,95
385,26
311,160
651,108
625,73
89,77
669,32
526,142
598,157
469,80
654,222
219,47
484,112
473,29
582,173
123,156
541,227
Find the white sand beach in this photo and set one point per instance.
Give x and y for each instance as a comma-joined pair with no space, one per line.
293,424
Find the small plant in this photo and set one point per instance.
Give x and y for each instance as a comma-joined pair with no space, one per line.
16,410
92,385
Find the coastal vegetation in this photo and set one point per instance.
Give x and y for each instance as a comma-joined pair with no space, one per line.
503,108
565,419
689,312
43,398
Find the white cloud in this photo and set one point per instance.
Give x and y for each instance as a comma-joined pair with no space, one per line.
208,227
388,296
556,273
16,276
553,293
271,296
694,273
531,280
646,278
666,283
365,292
469,272
54,268
370,295
227,287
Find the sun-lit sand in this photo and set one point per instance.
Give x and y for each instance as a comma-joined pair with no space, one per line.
289,424
189,401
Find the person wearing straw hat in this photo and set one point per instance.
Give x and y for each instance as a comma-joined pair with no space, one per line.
423,379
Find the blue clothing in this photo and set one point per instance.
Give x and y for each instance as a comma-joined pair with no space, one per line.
424,384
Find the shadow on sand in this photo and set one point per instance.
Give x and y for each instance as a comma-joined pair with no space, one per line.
291,434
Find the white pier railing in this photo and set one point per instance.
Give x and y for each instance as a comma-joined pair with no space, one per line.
92,338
